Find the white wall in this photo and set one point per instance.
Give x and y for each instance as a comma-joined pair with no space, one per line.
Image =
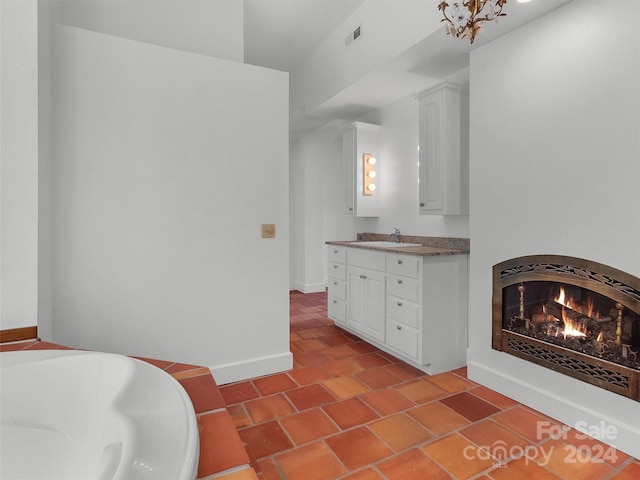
398,178
18,163
213,28
310,157
321,151
48,14
555,143
166,164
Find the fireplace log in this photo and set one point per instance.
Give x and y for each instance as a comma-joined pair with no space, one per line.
602,320
538,318
554,308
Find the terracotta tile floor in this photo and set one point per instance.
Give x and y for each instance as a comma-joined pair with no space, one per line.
349,411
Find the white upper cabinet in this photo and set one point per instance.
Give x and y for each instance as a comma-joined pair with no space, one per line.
444,150
359,140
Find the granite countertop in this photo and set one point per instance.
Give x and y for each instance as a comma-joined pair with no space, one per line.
429,246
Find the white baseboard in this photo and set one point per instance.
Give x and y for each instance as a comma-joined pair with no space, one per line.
626,438
253,367
308,288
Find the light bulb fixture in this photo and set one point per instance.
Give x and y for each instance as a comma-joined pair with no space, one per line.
369,174
464,18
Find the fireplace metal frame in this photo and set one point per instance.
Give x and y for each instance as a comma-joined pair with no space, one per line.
615,284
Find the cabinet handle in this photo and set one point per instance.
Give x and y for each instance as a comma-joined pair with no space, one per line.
400,281
335,283
399,262
422,204
335,251
363,277
398,327
335,301
399,304
335,266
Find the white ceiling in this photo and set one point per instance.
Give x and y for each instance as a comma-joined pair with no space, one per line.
279,33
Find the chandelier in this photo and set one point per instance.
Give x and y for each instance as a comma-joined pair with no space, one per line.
465,17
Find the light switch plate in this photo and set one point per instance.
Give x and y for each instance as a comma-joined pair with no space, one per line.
268,230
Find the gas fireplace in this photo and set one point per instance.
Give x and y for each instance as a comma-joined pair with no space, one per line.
571,315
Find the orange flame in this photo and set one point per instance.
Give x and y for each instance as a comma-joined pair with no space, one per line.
587,309
560,297
573,328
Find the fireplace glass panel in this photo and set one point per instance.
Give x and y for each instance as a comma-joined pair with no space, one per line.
573,317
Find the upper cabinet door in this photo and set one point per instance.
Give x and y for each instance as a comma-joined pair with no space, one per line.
444,150
359,143
430,155
349,167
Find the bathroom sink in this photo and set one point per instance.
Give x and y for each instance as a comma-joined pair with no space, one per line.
382,243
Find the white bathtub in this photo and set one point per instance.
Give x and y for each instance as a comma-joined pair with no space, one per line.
69,414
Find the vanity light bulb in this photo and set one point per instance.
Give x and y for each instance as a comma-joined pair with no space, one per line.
371,174
372,161
372,187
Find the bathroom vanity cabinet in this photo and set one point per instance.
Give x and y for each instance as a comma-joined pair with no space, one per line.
366,283
410,305
358,139
444,150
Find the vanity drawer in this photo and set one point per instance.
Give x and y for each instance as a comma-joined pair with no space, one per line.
367,259
337,270
404,265
337,254
404,287
337,309
400,310
337,288
402,338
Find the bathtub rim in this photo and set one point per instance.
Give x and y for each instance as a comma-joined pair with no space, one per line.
188,468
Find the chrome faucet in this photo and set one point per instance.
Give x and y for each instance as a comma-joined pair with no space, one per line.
396,234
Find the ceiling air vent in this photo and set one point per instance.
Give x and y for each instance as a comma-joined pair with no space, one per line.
353,36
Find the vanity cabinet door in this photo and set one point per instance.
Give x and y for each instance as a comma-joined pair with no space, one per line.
366,306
